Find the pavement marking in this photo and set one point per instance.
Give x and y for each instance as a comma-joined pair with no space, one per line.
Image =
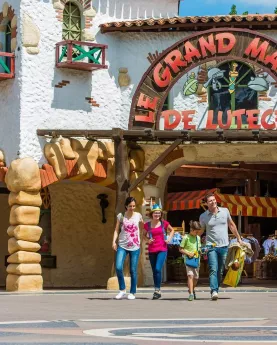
150,334
133,320
23,322
173,319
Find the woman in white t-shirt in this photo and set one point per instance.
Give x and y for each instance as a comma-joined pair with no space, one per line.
127,231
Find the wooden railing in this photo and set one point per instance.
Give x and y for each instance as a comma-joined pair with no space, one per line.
7,65
80,55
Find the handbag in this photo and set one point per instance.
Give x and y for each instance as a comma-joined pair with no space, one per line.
193,262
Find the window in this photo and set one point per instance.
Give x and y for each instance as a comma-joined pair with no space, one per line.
8,38
8,45
71,22
231,91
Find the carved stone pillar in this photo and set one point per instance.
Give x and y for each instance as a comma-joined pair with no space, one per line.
24,269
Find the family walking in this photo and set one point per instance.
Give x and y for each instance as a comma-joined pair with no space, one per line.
126,241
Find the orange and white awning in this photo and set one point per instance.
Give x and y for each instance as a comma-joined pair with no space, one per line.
248,205
186,200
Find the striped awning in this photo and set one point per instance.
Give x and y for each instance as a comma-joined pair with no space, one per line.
186,200
248,205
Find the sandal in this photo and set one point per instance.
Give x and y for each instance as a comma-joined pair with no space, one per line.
157,295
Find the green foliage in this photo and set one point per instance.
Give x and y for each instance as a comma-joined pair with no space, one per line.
233,10
245,13
275,11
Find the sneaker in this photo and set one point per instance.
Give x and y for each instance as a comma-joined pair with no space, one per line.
191,297
194,295
157,295
120,295
131,296
214,296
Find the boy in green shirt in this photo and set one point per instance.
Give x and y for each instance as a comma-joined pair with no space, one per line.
190,247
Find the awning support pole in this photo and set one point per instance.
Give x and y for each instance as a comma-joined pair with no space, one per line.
121,169
155,164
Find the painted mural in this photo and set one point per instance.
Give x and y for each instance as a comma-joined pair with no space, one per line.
206,96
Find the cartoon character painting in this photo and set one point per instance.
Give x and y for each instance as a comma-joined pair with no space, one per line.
259,83
214,74
191,85
233,74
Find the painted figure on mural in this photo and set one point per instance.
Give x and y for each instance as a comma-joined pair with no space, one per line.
191,85
233,74
156,237
216,221
127,232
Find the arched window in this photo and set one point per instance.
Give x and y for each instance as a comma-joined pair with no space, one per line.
71,22
229,89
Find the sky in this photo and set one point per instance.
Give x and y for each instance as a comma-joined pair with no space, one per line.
213,7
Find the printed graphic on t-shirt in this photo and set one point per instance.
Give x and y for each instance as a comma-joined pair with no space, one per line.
129,238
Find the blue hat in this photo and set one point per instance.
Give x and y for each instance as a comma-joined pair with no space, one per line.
155,207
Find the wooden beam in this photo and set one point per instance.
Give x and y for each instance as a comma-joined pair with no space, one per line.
224,173
121,170
157,136
230,183
155,164
209,172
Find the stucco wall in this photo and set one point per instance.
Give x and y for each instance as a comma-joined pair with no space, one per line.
81,242
4,224
10,93
44,106
41,105
130,9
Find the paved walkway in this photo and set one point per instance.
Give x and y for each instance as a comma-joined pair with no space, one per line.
243,315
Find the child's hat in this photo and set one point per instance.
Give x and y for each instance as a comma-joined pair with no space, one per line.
156,207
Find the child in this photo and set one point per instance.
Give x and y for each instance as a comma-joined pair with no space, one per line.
190,247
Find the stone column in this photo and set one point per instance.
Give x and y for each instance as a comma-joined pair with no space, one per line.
24,269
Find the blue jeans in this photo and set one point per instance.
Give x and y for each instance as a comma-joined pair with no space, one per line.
157,261
216,260
119,264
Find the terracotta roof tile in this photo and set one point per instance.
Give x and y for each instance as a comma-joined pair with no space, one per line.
187,23
47,175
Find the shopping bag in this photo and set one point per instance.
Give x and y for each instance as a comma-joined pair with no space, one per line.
192,262
232,277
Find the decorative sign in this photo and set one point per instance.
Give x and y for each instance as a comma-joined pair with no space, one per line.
235,68
173,118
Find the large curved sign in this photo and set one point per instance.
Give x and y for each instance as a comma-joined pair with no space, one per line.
217,44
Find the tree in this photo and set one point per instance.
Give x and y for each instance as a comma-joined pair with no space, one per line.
233,10
275,11
245,13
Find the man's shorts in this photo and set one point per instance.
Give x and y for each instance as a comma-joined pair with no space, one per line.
191,271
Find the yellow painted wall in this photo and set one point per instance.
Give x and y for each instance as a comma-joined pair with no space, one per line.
81,242
4,224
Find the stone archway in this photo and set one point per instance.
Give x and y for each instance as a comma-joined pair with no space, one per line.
201,153
224,44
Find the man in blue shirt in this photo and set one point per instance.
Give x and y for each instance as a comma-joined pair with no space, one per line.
216,221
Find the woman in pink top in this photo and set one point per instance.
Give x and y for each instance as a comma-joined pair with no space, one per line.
155,236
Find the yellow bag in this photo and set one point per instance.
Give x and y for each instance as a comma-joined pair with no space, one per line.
232,277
